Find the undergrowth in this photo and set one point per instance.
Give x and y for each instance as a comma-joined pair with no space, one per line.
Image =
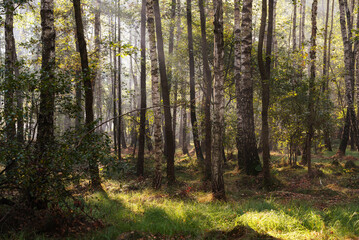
298,209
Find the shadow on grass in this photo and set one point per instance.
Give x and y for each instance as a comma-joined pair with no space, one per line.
132,216
239,232
173,219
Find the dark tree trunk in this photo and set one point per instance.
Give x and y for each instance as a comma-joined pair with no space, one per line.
165,96
356,47
9,110
265,72
141,145
19,100
247,139
207,79
11,77
87,80
197,144
45,133
184,128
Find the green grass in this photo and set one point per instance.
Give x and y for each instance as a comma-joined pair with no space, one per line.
143,212
195,216
148,212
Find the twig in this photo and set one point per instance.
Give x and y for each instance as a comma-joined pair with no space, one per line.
119,116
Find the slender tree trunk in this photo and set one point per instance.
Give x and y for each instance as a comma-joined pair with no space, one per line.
197,144
148,136
134,101
311,115
346,30
237,76
11,77
265,72
275,41
9,110
325,86
19,102
120,129
171,43
165,96
178,38
156,99
180,132
184,122
79,113
114,88
207,79
98,82
356,47
294,25
302,34
141,145
218,100
87,79
247,139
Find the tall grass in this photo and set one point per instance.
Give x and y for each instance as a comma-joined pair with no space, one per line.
146,212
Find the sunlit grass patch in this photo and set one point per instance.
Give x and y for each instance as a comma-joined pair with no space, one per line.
157,213
276,223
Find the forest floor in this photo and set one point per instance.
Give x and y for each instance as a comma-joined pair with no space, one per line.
299,207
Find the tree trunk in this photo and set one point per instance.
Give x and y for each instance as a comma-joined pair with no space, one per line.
98,82
141,142
265,72
302,25
346,30
9,110
184,125
311,115
114,89
148,137
197,144
165,96
207,79
237,76
171,43
134,100
325,86
19,102
87,79
356,47
180,131
294,25
156,99
120,129
218,100
247,139
45,133
178,38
